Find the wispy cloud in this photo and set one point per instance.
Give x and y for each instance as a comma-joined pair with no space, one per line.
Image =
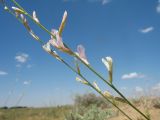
132,75
18,65
104,2
156,87
3,72
147,29
158,7
22,58
123,88
27,82
29,66
138,89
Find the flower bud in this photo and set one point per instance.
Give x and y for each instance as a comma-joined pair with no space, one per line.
35,17
81,81
108,62
63,23
96,86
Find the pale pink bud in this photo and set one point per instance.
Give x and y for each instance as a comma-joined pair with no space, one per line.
63,23
58,43
81,54
35,17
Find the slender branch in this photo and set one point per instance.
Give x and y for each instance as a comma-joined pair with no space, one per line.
79,74
95,88
88,66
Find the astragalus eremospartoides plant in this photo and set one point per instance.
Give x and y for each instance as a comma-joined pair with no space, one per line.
56,42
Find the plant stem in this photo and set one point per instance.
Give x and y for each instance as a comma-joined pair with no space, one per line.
95,88
79,74
113,87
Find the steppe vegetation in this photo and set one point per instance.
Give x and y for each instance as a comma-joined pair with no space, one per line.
86,107
106,106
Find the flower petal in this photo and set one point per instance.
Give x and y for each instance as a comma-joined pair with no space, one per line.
81,53
81,81
35,17
108,62
96,86
63,23
105,63
47,47
18,10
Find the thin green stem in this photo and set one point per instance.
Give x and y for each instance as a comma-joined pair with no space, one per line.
129,103
26,13
78,73
40,41
89,84
113,87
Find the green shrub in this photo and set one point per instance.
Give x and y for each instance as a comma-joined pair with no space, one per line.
90,99
90,113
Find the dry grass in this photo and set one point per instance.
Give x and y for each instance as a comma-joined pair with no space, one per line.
54,113
58,113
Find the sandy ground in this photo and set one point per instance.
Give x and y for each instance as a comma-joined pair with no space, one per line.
155,114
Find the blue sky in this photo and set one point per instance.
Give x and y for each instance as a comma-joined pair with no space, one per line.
126,30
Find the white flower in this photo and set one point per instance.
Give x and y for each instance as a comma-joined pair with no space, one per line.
57,42
35,17
47,48
81,53
96,86
64,17
108,62
25,22
18,10
107,94
5,8
63,23
33,35
81,81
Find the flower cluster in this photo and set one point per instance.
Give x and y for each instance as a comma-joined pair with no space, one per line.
56,41
20,13
56,36
108,62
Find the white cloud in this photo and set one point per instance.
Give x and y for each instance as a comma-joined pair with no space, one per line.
147,29
27,82
3,73
22,58
18,65
105,1
156,87
29,66
101,1
132,75
158,7
138,89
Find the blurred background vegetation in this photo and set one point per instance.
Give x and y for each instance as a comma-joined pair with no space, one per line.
86,107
